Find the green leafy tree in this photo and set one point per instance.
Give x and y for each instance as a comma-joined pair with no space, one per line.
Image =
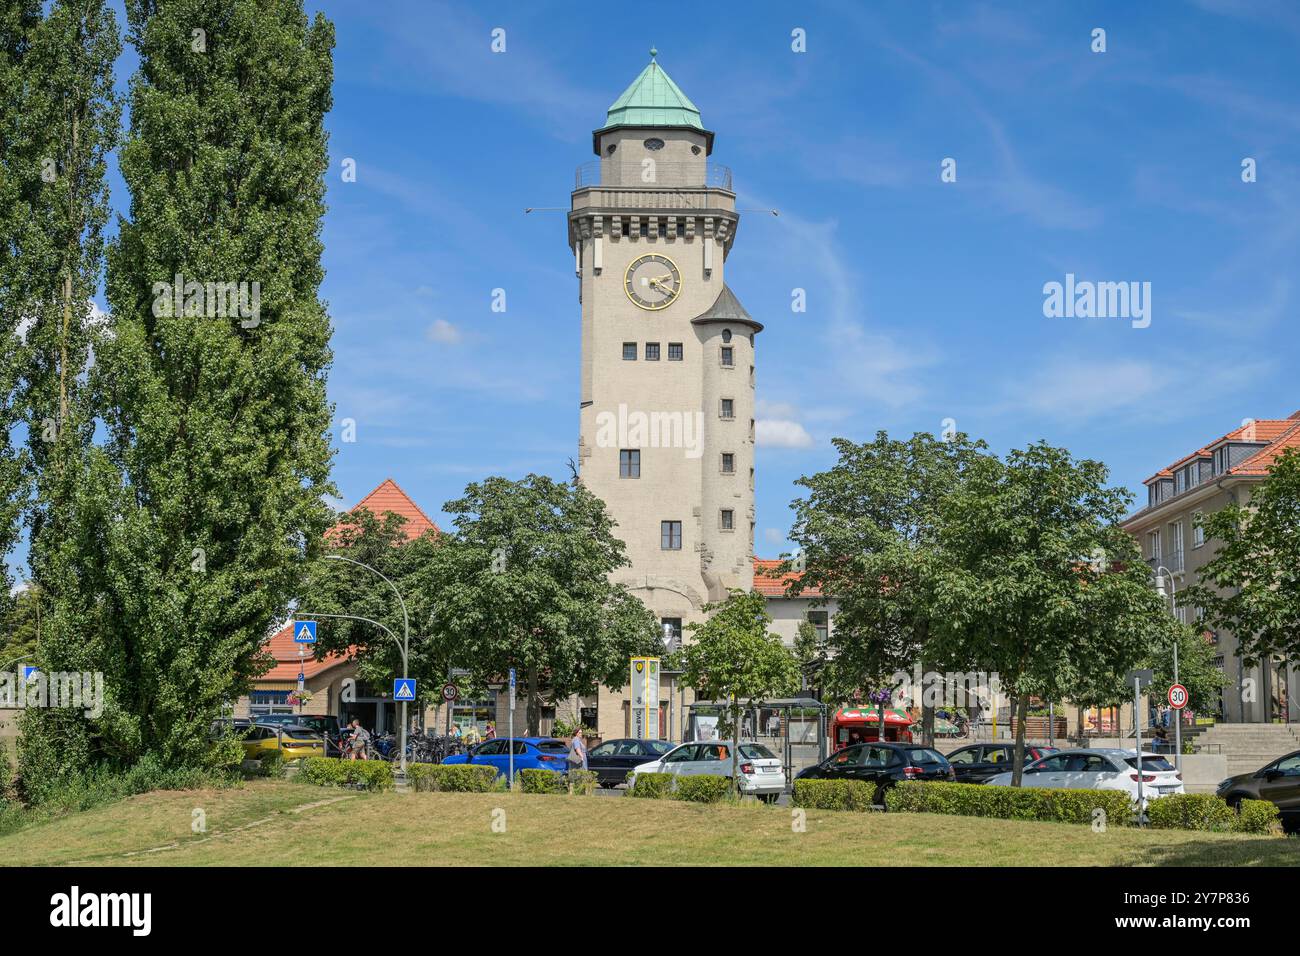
207,499
869,534
1197,670
20,184
72,115
1251,587
335,587
1041,584
735,658
524,582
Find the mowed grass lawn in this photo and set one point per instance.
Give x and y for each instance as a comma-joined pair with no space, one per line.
279,822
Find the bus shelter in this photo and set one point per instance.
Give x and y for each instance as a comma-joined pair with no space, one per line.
795,726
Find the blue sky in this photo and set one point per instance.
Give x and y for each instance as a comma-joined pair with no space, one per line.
925,299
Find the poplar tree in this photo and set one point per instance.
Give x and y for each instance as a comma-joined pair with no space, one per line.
19,176
70,122
216,413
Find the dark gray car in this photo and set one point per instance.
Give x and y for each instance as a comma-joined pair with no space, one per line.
1278,782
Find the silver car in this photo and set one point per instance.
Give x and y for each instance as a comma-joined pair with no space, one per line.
759,770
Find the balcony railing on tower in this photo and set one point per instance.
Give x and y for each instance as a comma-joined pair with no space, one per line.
637,175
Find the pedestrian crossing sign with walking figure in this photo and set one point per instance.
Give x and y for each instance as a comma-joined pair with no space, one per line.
304,632
404,688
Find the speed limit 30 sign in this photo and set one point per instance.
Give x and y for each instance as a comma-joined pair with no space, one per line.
1177,696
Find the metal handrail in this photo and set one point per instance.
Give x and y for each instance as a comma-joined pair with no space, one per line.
662,174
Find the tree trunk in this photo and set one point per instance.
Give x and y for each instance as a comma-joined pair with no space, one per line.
534,711
1021,704
1081,737
927,725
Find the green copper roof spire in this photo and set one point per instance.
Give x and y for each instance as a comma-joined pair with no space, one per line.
654,99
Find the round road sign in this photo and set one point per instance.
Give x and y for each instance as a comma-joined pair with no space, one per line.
449,692
1178,696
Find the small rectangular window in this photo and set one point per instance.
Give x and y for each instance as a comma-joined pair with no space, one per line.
674,351
629,351
728,463
1198,530
652,351
727,520
670,535
629,463
728,409
728,356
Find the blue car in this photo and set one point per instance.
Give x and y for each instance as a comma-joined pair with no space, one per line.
530,753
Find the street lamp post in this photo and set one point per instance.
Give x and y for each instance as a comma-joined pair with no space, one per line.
1162,575
404,645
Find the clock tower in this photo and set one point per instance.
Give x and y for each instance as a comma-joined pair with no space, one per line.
667,370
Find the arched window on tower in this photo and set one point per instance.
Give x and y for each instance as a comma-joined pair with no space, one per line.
726,335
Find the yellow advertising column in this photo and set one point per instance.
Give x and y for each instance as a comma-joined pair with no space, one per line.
644,681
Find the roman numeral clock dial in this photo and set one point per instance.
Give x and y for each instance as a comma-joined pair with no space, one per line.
652,282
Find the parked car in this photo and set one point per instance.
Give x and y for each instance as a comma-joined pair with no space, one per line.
613,759
1100,769
325,725
761,773
977,762
292,741
531,753
1278,782
883,764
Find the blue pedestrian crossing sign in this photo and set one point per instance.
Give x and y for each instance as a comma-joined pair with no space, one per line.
304,632
404,688
29,672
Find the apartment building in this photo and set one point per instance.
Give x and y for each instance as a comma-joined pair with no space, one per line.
1170,531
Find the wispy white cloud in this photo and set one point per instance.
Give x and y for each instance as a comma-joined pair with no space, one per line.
444,333
781,433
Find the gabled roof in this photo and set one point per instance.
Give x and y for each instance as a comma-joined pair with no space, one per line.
769,586
727,308
1277,434
388,497
282,648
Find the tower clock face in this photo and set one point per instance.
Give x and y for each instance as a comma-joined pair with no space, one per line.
653,282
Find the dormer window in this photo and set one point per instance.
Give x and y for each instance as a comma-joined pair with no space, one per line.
654,144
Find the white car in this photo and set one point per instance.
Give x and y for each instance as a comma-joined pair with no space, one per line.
1101,769
760,770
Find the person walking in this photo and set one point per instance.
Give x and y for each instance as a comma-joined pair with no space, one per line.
577,757
491,732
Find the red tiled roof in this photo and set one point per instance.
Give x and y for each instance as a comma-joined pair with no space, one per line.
1280,433
282,647
1262,460
388,497
775,586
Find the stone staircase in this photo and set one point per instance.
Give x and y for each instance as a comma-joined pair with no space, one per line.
1249,746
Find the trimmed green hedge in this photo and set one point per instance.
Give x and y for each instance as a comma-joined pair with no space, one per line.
705,788
1011,803
579,782
542,781
452,777
652,786
331,771
1191,811
1258,816
833,794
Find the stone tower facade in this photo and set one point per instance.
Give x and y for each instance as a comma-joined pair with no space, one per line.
667,371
